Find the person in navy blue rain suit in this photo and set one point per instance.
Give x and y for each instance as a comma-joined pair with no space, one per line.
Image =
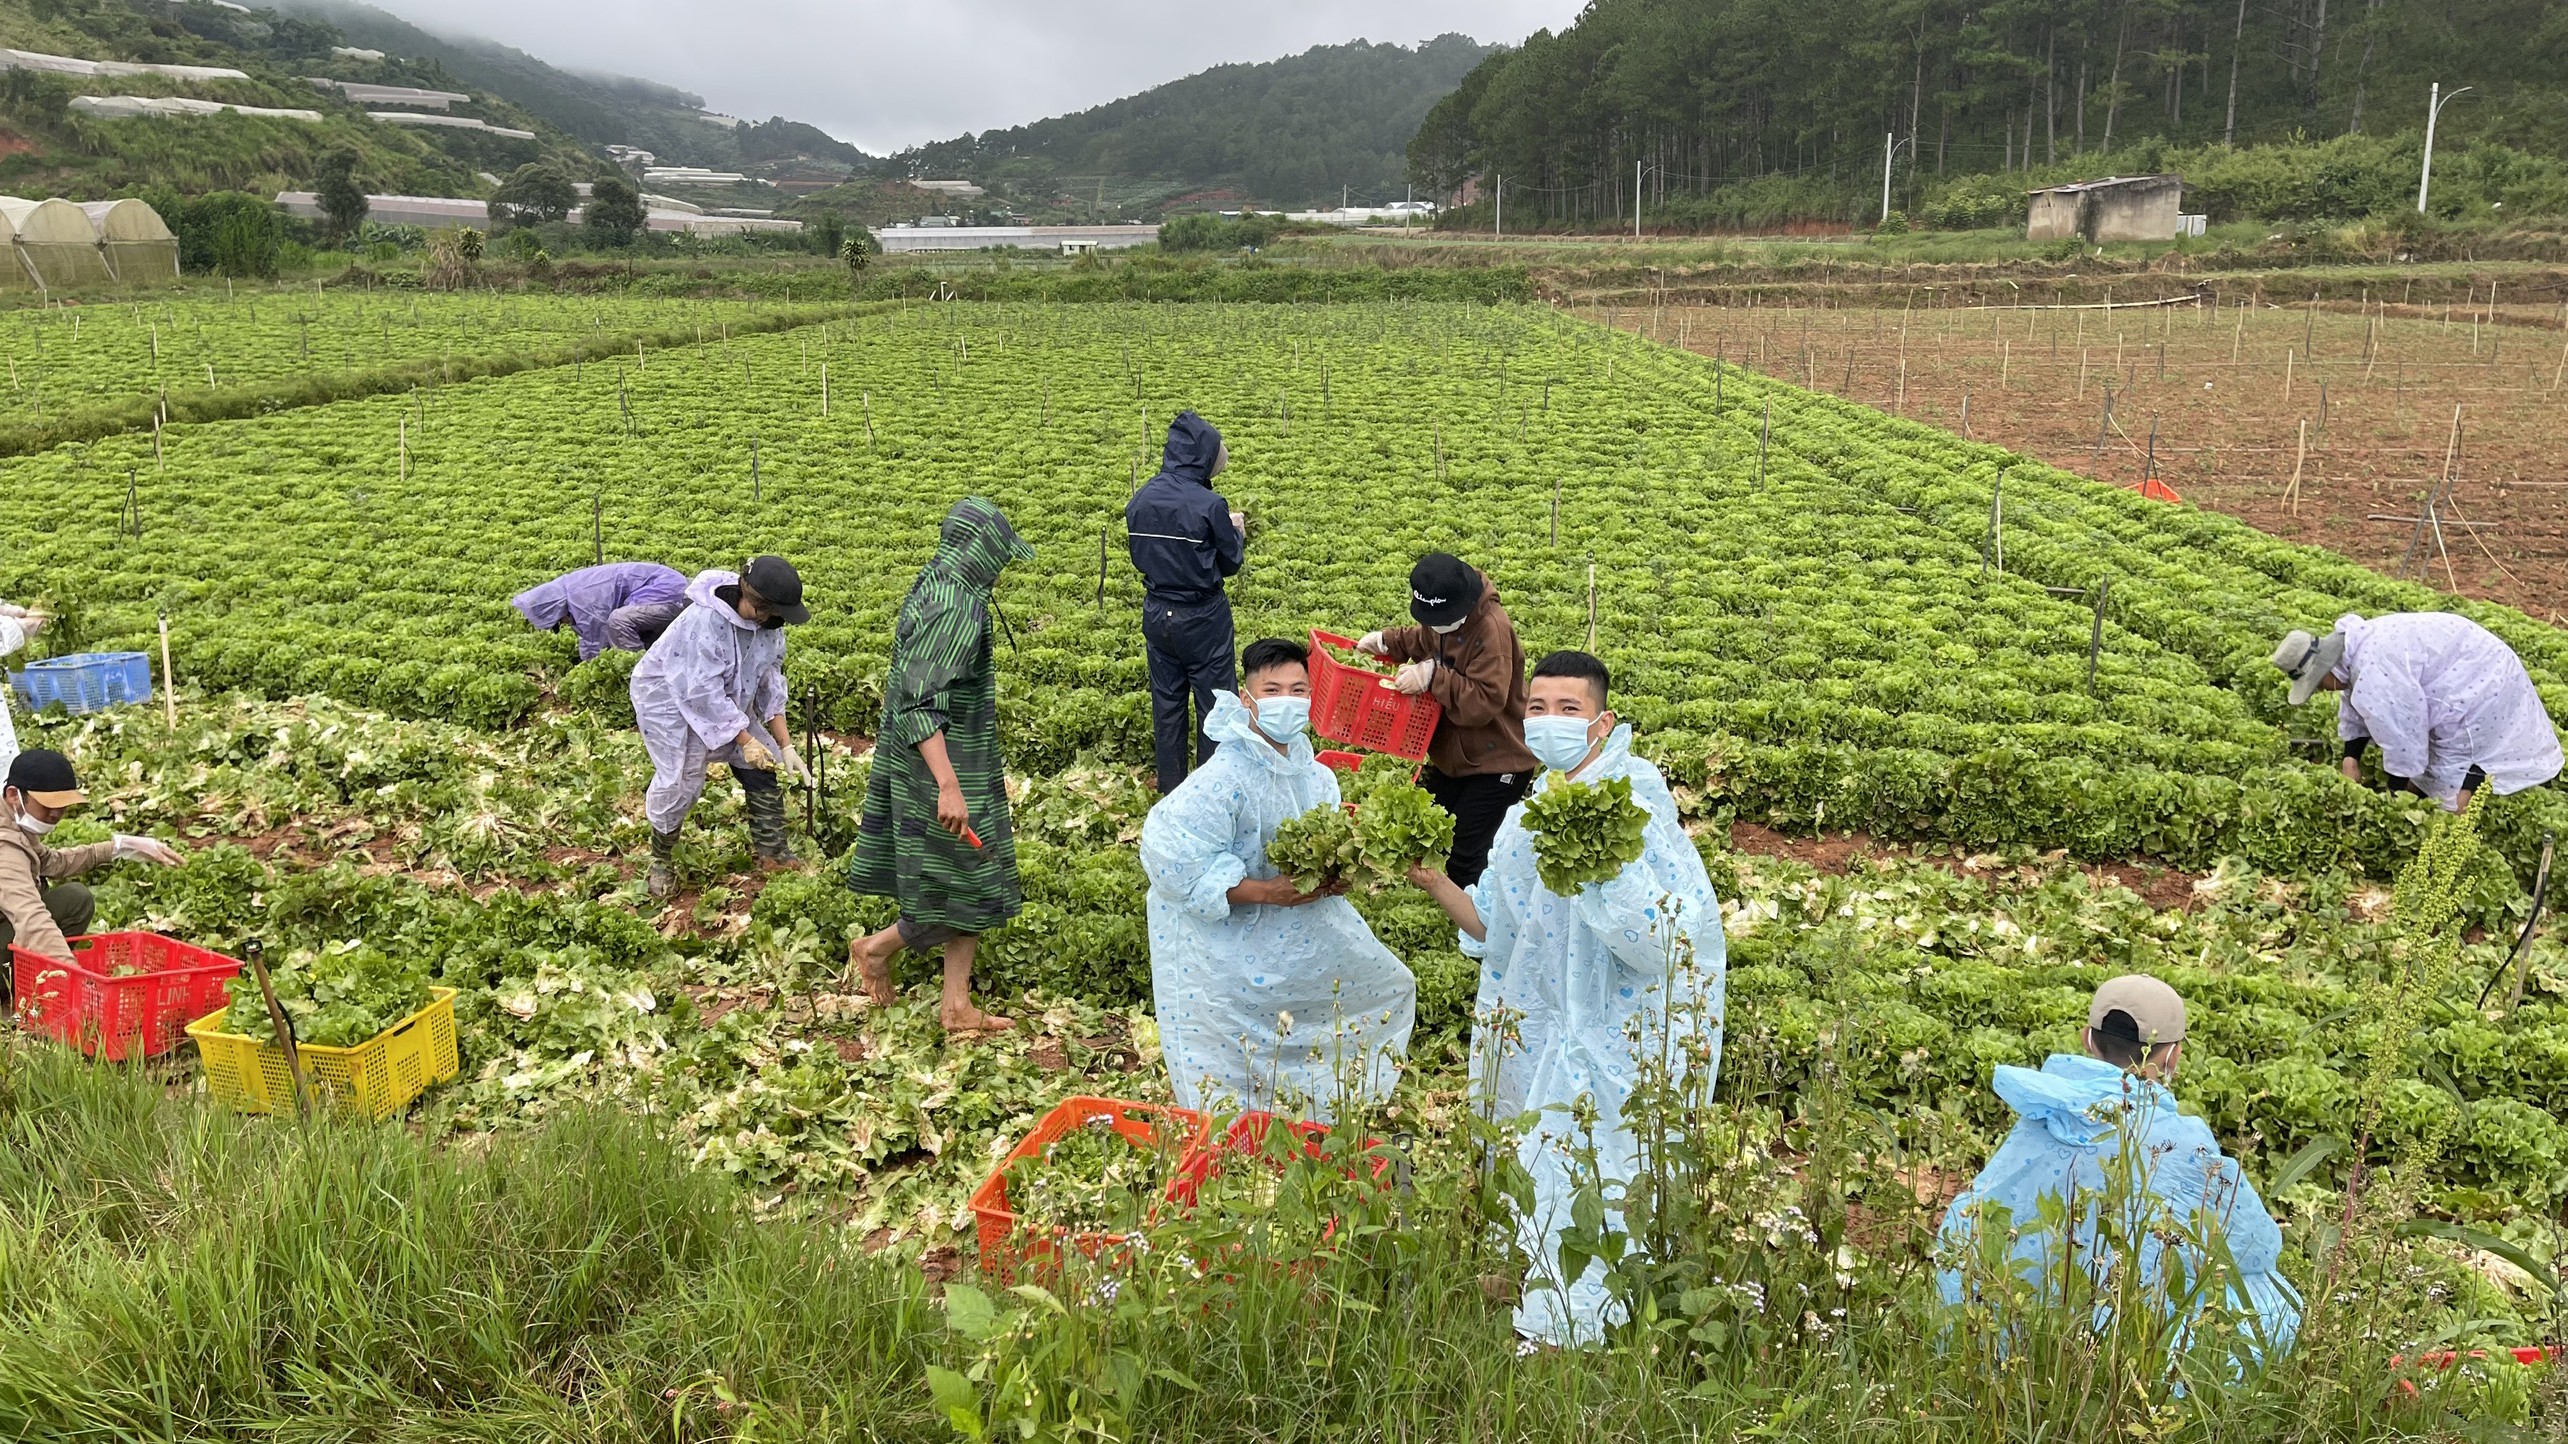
1185,539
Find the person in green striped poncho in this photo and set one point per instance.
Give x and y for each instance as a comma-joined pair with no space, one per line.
936,835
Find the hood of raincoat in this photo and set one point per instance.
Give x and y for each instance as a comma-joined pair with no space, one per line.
2355,630
1231,723
1192,446
705,591
1610,759
2077,1098
544,607
976,543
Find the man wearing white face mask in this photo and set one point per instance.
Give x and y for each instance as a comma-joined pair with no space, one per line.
39,905
1266,996
1576,991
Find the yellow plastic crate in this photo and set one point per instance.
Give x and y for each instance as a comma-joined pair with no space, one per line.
377,1078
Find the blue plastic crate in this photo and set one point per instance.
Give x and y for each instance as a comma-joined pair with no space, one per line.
85,681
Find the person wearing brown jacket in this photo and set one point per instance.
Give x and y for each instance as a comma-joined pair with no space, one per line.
1464,653
39,905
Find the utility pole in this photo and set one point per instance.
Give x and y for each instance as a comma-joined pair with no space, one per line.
1886,148
2435,100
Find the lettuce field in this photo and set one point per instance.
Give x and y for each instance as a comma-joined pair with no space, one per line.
1820,618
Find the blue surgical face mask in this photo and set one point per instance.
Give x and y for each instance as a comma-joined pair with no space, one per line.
1559,743
1283,718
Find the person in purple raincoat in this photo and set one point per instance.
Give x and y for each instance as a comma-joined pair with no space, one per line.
713,690
621,605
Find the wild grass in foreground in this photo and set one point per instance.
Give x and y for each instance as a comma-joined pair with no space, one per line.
171,1272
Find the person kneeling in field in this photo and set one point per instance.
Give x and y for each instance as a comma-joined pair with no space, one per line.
1267,996
713,690
39,906
2076,1116
619,606
2449,703
1576,991
936,835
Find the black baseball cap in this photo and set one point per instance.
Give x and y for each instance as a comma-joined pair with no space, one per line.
1442,589
46,777
778,585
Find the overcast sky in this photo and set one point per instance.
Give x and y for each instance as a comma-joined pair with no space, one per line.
890,73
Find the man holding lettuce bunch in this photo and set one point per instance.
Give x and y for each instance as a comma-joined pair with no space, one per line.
1266,994
1598,935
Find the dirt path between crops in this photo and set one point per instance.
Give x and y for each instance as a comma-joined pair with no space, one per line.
2322,423
2162,888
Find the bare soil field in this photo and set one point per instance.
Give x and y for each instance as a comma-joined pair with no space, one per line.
2327,422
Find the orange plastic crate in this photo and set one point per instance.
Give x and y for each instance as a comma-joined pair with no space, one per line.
1246,1139
87,1004
1360,707
1005,1244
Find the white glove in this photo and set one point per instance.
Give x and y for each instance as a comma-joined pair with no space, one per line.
755,756
1372,642
795,764
1413,677
147,849
1239,522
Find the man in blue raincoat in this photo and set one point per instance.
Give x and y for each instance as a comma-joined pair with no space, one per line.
1575,992
2075,1115
1184,540
1266,996
622,606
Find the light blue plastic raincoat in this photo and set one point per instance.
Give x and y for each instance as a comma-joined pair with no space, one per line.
1224,979
2063,1141
1585,984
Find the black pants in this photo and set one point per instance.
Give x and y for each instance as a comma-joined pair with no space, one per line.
1190,648
1478,805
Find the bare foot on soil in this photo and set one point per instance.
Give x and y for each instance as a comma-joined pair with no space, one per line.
968,1020
873,970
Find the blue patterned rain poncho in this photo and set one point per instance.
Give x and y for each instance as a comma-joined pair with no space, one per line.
1259,1006
2075,1113
1573,991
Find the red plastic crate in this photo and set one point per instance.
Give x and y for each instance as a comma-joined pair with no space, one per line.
1340,761
1004,1245
1359,707
85,1003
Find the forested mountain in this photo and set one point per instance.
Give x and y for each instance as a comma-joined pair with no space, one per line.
1288,132
1714,94
600,109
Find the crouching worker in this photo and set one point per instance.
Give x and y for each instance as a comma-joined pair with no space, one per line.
713,690
1267,996
39,904
2076,1116
936,836
619,606
1575,992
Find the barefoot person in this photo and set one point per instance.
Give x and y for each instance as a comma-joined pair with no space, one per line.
936,835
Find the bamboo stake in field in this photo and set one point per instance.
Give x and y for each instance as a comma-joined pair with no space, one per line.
1766,435
2291,489
824,389
2288,356
864,402
1591,604
1966,413
401,448
1900,407
169,680
2082,371
2005,362
2238,334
